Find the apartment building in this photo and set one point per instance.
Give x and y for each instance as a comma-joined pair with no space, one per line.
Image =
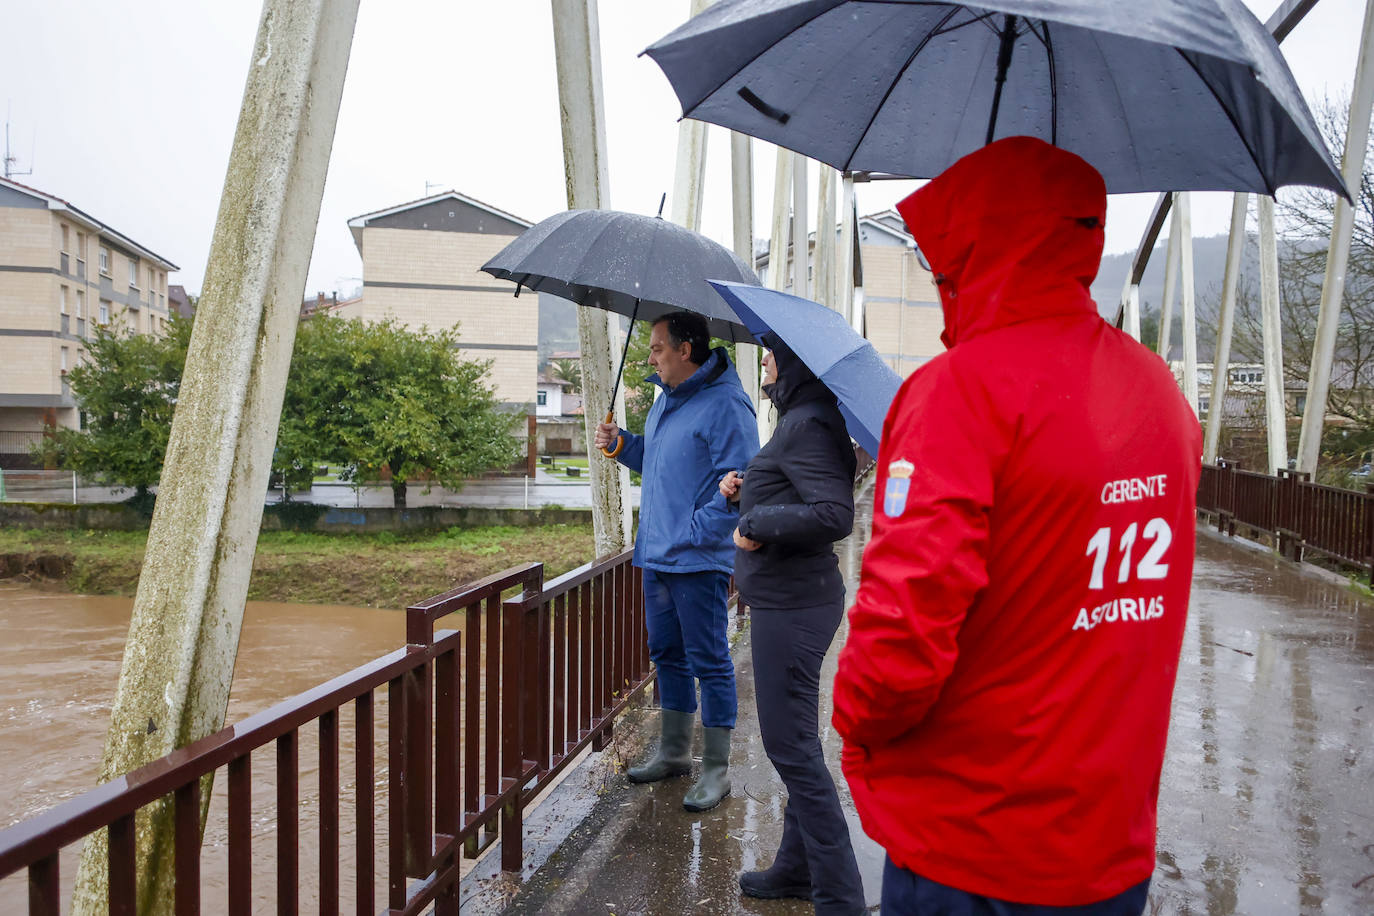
62,273
422,267
902,317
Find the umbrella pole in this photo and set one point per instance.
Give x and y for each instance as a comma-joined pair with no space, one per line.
1003,63
615,388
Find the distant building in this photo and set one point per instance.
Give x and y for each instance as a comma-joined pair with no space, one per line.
178,303
62,273
422,267
902,315
549,397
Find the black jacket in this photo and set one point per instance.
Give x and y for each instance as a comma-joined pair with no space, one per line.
798,495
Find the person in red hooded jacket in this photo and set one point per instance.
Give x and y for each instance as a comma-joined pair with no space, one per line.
1004,691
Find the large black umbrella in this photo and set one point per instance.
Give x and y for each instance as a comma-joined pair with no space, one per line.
1163,95
640,266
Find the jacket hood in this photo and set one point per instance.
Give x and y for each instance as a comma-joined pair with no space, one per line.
796,382
1012,232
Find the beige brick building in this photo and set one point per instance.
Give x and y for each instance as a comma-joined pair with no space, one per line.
422,267
902,316
62,273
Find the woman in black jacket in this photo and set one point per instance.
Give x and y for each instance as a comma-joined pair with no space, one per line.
795,500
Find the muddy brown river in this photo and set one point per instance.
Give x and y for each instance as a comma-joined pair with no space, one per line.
59,662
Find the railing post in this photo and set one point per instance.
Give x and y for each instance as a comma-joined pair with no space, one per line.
1224,494
513,701
416,787
601,666
1290,532
416,691
1367,504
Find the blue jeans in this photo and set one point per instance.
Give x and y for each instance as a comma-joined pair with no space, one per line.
906,893
686,618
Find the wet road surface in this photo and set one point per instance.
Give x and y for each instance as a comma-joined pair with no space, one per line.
1266,805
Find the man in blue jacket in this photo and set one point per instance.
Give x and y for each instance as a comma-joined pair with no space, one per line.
700,428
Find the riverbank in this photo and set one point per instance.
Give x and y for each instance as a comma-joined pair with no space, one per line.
386,569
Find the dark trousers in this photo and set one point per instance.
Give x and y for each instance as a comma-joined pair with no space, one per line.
685,614
788,646
906,893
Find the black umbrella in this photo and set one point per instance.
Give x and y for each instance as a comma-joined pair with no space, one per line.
640,266
1164,95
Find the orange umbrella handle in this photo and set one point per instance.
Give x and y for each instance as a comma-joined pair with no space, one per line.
619,440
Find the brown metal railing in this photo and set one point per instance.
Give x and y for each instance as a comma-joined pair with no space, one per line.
478,721
1303,517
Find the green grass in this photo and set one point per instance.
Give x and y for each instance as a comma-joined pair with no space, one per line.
388,569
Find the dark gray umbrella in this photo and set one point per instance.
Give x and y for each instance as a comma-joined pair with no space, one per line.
640,266
1162,95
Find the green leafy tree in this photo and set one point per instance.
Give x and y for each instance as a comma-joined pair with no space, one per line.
372,396
127,390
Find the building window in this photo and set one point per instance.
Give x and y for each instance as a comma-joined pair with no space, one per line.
64,360
81,303
81,246
133,273
62,299
1203,404
65,239
542,398
104,260
105,311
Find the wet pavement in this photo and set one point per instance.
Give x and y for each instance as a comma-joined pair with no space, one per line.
1266,804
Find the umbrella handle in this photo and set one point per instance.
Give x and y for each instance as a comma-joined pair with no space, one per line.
619,440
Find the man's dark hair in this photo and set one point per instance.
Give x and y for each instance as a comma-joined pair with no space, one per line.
691,328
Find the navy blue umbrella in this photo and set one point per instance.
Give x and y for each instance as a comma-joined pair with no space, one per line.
830,348
1158,95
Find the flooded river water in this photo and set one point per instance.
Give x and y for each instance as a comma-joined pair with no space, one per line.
59,663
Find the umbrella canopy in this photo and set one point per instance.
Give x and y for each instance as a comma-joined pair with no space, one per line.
1159,95
640,266
830,348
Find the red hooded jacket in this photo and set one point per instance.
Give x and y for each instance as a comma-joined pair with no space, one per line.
1004,692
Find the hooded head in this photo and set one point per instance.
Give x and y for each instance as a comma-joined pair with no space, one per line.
795,381
1012,232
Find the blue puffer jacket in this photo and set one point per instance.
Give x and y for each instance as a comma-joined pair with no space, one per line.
695,434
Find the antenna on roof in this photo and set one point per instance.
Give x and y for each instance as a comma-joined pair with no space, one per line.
10,160
432,184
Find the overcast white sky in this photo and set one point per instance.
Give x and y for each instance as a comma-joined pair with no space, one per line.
128,109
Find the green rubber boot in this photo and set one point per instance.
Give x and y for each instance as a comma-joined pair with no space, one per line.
714,783
673,756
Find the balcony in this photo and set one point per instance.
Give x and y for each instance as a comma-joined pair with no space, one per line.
65,261
66,324
81,328
80,269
